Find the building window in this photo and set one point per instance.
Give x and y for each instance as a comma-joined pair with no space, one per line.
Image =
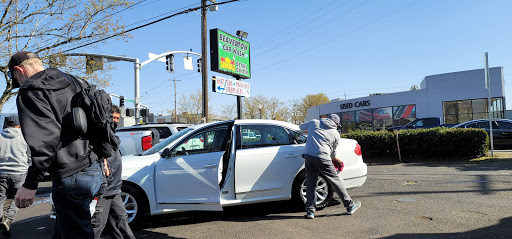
364,119
348,121
460,111
403,114
382,118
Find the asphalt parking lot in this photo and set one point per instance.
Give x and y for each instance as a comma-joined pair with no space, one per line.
413,200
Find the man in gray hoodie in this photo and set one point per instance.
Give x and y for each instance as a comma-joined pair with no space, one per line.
319,154
14,161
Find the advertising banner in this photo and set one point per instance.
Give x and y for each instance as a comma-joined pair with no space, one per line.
231,86
230,55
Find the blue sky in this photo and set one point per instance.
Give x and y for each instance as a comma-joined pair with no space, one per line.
340,48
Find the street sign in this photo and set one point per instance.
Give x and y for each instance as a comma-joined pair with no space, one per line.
230,55
127,100
228,86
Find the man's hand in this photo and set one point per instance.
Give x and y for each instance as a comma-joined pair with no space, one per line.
24,197
337,162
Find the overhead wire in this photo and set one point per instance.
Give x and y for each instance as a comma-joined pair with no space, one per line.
308,32
336,37
287,29
147,24
122,10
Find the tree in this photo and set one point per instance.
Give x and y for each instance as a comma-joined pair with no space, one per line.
300,107
229,111
48,27
191,107
261,107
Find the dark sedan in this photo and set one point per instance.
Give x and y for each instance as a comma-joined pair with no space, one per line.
501,130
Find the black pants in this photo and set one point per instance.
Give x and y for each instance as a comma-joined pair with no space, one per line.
111,214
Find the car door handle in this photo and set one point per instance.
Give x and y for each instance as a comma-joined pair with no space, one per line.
210,166
291,156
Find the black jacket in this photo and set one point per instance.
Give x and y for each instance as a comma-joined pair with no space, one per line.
114,181
44,107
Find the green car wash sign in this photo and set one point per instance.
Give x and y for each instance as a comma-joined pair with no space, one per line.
230,55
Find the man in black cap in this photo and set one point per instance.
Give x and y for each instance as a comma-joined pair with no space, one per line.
14,161
44,107
319,156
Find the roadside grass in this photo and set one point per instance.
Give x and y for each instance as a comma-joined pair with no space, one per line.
497,156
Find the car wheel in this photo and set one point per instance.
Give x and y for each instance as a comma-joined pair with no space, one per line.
323,190
134,204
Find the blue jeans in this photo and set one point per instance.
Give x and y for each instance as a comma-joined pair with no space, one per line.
9,184
71,198
315,166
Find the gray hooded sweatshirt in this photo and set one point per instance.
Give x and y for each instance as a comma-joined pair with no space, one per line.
14,152
323,138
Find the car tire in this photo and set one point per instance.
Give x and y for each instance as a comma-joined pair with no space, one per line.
324,191
135,205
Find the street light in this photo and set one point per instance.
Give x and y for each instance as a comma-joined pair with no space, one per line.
241,34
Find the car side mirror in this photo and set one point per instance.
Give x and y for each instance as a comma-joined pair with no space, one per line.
166,153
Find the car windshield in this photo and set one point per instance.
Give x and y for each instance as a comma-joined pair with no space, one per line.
166,142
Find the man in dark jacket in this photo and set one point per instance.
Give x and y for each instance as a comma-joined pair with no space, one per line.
44,107
110,211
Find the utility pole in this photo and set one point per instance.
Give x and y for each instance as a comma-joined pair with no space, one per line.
175,105
204,57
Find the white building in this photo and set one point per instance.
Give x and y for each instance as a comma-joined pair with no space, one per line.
453,97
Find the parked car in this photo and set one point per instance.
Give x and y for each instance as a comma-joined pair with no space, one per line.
165,129
138,138
228,168
421,123
501,130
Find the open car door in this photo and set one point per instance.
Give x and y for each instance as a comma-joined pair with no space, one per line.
189,178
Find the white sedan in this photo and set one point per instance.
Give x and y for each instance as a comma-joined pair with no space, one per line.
211,166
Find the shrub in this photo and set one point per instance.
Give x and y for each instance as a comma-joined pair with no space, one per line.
419,143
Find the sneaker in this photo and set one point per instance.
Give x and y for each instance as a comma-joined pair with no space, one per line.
310,215
354,208
5,226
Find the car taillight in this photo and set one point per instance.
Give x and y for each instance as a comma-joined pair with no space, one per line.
147,142
357,150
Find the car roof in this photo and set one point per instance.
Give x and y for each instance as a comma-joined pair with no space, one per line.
480,120
251,121
156,125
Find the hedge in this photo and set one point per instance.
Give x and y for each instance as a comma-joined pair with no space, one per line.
437,142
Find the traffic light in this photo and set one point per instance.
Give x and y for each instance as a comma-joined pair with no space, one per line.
121,101
130,112
144,112
169,60
199,64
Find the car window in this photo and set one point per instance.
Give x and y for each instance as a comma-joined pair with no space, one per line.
207,140
254,136
485,125
166,142
472,125
504,125
181,128
298,137
164,132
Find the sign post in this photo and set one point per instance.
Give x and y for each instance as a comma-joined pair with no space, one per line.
230,56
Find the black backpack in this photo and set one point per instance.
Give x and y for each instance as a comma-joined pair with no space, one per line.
92,119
